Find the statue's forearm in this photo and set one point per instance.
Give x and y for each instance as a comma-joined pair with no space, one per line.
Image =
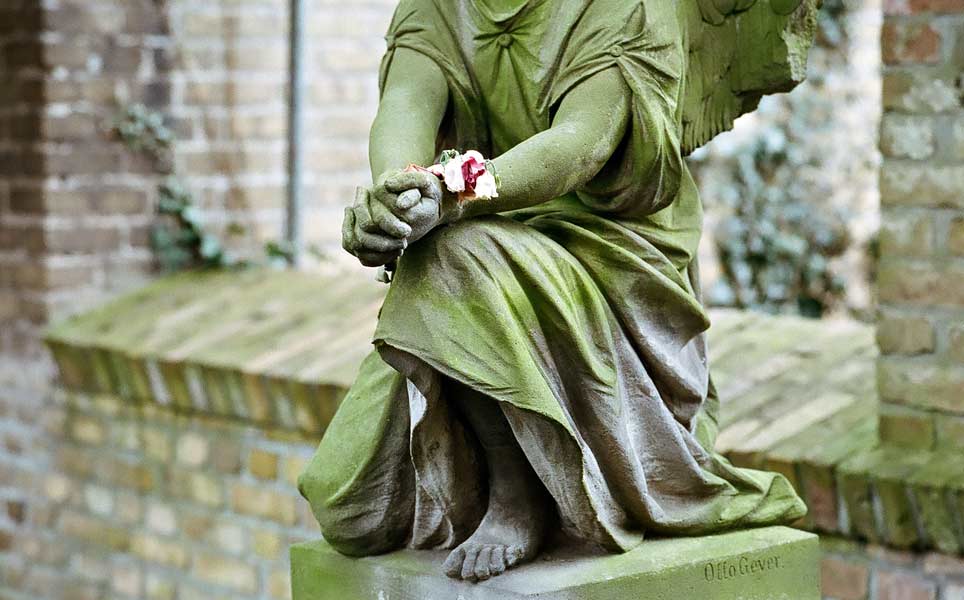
409,114
589,125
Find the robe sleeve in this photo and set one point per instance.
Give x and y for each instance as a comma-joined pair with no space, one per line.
644,174
422,26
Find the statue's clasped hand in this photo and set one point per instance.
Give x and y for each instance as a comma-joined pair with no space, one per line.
394,213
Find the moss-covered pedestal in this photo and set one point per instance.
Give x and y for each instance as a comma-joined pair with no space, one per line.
775,563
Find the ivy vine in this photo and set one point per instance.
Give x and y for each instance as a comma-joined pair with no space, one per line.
178,238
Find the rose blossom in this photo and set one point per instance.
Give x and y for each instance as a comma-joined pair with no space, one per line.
473,165
454,180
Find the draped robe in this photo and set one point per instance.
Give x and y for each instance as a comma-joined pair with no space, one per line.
581,316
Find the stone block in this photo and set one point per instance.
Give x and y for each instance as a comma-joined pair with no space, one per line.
760,564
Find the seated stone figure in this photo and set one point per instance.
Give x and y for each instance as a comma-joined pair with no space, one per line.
539,364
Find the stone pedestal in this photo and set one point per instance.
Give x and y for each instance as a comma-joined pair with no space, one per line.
774,563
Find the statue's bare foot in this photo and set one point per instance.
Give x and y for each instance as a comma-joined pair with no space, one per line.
509,534
501,542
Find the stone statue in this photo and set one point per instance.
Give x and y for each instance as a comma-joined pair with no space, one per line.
539,367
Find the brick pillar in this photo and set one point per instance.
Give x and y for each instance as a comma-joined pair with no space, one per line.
921,278
21,227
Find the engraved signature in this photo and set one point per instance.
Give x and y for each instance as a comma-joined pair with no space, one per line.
741,567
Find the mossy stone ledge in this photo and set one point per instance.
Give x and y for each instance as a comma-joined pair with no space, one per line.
278,350
773,563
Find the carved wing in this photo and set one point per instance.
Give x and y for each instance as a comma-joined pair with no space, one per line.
740,51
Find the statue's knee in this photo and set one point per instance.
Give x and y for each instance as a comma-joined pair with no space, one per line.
462,239
352,527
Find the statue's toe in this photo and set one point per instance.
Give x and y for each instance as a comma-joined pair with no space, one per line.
453,564
468,567
483,564
514,555
497,564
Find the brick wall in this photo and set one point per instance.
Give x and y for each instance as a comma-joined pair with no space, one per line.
115,503
853,571
921,281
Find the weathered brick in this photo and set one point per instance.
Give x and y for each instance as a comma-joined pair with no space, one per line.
99,500
192,449
904,136
893,585
263,502
263,464
910,43
955,236
57,488
204,488
924,283
127,580
294,466
80,240
95,532
922,185
942,564
157,587
907,428
905,335
844,579
953,591
279,583
269,544
157,444
160,551
919,93
922,384
226,456
161,518
226,572
907,233
229,537
950,432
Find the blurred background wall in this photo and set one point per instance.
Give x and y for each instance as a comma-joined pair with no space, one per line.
77,204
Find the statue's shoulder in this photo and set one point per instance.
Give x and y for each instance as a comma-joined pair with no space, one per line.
630,19
418,10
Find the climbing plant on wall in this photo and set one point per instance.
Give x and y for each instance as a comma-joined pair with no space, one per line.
178,238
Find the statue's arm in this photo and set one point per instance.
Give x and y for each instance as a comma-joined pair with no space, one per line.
410,113
586,130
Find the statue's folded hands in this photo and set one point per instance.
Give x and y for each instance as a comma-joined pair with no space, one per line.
364,238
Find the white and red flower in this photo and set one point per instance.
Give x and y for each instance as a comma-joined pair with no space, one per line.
469,175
